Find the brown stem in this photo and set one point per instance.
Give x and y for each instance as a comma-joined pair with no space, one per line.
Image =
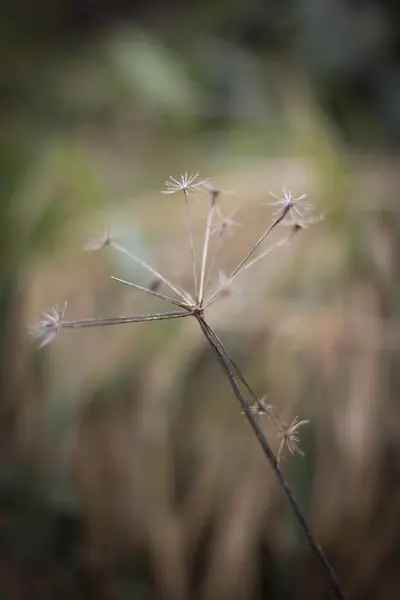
122,320
266,448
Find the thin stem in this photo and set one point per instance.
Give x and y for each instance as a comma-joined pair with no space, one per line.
205,246
191,243
249,254
122,320
216,250
255,260
232,363
318,550
141,288
257,400
182,294
212,262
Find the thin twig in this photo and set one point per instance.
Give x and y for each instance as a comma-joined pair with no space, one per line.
141,288
249,254
257,400
318,550
248,265
185,296
205,246
122,320
256,259
212,262
191,242
218,248
232,363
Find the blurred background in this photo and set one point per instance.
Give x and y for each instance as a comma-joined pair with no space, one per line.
126,468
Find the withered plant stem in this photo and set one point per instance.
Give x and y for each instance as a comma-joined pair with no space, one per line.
183,295
191,243
250,253
85,323
232,372
205,247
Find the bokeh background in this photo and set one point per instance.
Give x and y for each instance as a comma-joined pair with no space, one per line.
126,469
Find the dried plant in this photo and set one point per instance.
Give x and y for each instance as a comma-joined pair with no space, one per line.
210,285
289,437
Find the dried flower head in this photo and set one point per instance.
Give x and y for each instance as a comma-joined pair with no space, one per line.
260,408
290,206
289,436
49,327
185,184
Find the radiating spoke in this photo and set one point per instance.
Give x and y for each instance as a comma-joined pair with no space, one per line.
181,293
84,323
146,290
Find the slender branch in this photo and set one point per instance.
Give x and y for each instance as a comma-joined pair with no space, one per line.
256,399
191,243
206,245
229,223
249,254
231,362
318,550
255,260
212,262
122,320
182,294
141,288
248,265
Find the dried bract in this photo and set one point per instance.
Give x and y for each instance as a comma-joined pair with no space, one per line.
260,408
49,327
185,184
289,206
289,436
